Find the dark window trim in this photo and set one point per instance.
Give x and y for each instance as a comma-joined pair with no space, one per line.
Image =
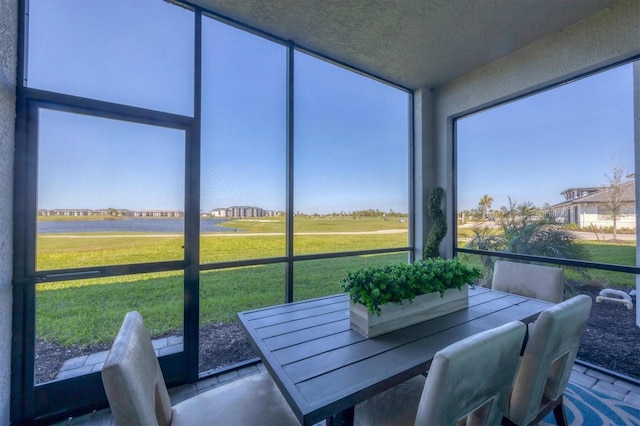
554,260
540,259
290,179
37,402
54,275
103,109
191,301
33,401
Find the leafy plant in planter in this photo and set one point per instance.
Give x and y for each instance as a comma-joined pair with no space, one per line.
376,286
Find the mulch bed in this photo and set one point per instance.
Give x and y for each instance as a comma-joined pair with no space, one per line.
221,345
611,340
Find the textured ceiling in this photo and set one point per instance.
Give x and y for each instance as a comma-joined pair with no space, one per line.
413,43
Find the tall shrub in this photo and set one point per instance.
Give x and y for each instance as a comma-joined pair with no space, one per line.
439,226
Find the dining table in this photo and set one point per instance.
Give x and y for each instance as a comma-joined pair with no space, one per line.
324,368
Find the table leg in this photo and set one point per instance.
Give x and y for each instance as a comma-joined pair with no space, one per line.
344,418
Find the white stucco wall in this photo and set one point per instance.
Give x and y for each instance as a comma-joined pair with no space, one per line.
592,216
8,62
602,39
424,177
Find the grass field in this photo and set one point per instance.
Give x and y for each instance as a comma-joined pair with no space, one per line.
624,254
89,311
620,254
312,224
246,239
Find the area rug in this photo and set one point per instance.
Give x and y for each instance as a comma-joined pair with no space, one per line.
588,407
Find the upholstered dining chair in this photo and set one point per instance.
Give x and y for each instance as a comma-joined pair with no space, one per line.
546,364
534,281
469,381
138,395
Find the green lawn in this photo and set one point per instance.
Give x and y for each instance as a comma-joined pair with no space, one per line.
59,251
620,254
602,252
90,311
312,224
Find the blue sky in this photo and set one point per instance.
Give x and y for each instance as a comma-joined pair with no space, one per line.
96,163
350,132
535,148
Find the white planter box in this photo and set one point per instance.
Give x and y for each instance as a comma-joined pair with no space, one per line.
394,316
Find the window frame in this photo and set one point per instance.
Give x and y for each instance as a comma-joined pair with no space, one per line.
39,399
531,258
58,399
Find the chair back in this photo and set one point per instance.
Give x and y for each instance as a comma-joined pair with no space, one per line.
548,357
469,381
535,281
132,377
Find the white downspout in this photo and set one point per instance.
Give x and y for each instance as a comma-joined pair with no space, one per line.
636,118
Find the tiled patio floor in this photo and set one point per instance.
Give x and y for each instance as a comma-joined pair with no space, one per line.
611,385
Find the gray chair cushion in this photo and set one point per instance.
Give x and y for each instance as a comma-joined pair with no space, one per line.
137,393
132,377
548,358
535,281
468,381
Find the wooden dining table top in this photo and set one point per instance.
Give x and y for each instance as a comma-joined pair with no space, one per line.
324,368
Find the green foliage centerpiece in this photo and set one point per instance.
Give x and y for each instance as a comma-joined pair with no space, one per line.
389,297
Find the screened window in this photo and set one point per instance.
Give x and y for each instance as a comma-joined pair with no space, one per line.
135,53
243,145
563,157
177,165
83,317
550,179
109,192
351,165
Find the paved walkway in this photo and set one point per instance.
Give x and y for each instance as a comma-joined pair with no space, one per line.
611,385
615,387
92,363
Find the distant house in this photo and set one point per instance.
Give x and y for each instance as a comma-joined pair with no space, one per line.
239,211
219,212
159,213
586,207
112,212
243,211
65,212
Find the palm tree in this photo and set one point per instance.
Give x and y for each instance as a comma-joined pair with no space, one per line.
485,204
521,233
485,238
